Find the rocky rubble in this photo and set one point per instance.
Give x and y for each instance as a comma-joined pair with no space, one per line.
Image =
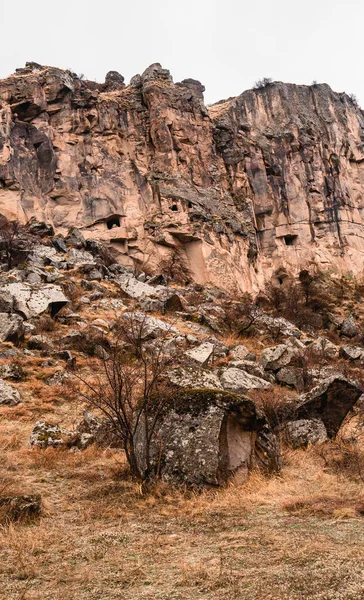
223,416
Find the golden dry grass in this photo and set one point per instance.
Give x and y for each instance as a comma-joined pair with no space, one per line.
103,537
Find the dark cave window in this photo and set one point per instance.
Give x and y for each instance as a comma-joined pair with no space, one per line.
174,208
2,184
280,280
190,205
113,222
290,240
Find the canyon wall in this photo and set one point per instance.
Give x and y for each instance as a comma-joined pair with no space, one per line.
250,188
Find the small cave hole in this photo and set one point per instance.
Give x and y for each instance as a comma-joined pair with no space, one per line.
2,184
190,205
290,240
174,208
113,222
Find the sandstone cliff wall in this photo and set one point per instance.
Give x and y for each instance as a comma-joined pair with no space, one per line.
253,187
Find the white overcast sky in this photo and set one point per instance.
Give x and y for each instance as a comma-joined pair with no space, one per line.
226,44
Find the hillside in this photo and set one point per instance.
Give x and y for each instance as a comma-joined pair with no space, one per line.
181,341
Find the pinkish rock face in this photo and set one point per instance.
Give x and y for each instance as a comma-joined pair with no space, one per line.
268,182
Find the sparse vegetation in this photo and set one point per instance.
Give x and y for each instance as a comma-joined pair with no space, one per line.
175,267
126,387
262,83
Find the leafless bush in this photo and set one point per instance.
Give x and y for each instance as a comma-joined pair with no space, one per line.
275,405
240,316
175,267
15,243
127,387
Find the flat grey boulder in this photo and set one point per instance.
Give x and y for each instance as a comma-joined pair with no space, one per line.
352,352
9,396
252,368
42,255
194,377
277,357
236,380
280,324
241,352
80,257
11,328
40,342
31,301
201,354
304,432
145,293
324,347
138,289
148,327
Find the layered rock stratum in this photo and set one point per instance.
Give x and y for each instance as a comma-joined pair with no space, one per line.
250,188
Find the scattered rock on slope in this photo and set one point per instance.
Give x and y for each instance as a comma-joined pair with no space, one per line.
8,395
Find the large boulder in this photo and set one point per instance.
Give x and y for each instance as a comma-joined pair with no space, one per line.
201,354
141,291
193,377
352,352
252,368
148,327
277,357
80,257
330,401
236,380
349,328
324,347
9,396
207,437
11,328
31,301
241,352
304,432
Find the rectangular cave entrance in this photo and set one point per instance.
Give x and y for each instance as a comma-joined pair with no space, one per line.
290,240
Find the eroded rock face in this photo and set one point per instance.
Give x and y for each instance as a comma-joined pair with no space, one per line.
259,184
330,401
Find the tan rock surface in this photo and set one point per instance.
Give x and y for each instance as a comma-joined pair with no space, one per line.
258,185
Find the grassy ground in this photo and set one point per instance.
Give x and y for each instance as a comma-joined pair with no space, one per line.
299,536
102,537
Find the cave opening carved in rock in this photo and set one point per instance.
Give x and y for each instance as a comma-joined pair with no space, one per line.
113,222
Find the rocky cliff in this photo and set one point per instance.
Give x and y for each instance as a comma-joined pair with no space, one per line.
252,187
